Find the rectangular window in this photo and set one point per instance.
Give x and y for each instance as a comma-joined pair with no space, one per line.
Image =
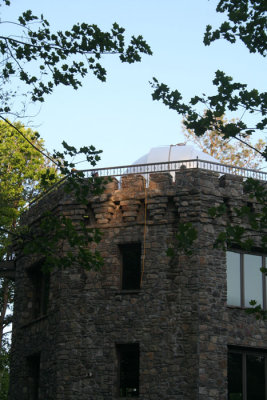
40,282
128,361
245,281
247,374
33,363
131,266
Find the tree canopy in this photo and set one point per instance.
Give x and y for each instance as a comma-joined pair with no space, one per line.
228,151
22,171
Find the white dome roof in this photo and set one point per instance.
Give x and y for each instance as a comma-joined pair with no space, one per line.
177,152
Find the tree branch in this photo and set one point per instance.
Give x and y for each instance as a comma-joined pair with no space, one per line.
52,46
247,144
4,230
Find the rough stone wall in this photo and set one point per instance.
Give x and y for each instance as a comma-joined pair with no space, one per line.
179,316
31,336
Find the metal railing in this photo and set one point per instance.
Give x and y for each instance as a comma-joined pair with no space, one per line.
172,166
168,166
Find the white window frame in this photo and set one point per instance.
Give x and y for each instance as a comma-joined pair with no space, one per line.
242,278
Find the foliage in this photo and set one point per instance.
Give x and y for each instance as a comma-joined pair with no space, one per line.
230,97
250,24
42,59
247,22
25,173
257,310
6,302
22,171
235,235
4,371
64,246
184,238
228,151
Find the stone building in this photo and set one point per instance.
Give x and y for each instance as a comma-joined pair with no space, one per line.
146,325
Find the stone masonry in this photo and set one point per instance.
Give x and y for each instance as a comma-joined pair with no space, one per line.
179,316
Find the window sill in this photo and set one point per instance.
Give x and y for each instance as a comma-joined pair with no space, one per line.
235,307
34,321
240,307
123,292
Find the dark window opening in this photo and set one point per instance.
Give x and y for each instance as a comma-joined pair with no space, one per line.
247,375
33,363
222,180
251,207
131,266
172,210
226,202
40,291
128,360
89,216
235,376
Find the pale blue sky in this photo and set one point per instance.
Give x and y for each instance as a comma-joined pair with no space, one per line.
119,116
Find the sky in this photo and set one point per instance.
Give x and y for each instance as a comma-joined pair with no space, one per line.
119,116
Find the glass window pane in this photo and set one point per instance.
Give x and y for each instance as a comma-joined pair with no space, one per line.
233,278
235,376
253,278
255,377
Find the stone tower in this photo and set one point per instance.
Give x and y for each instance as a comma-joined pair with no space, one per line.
146,325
